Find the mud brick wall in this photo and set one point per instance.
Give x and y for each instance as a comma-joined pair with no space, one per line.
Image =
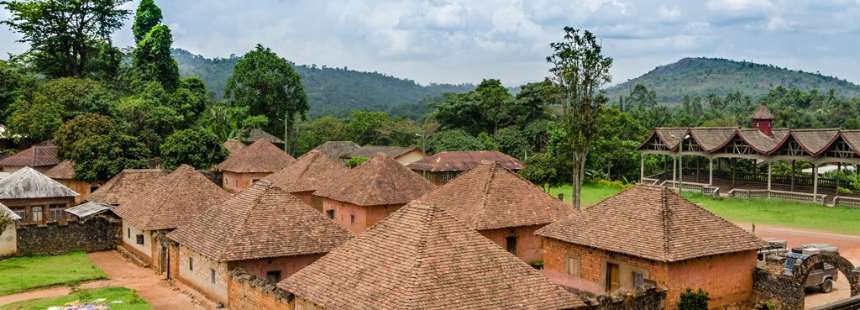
95,234
248,292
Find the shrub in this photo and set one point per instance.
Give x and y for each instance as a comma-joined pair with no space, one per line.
356,161
697,300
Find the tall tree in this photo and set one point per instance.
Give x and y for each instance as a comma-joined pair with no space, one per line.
65,36
579,69
268,85
147,16
152,58
196,146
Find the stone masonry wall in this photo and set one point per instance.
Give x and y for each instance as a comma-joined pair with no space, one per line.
95,234
780,291
248,292
649,298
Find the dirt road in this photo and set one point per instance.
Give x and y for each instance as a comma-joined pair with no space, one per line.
120,272
849,247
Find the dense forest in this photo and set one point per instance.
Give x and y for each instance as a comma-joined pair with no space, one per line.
330,91
706,76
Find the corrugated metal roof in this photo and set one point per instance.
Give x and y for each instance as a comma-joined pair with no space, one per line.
88,209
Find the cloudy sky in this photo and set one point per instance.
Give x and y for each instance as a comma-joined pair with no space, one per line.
465,41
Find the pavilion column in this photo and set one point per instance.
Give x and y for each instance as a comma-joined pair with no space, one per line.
680,169
793,168
769,164
710,171
838,171
815,182
641,167
734,163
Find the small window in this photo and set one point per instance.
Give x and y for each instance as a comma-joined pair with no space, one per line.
56,213
638,279
273,276
511,244
330,214
140,239
572,266
352,219
191,263
37,214
212,275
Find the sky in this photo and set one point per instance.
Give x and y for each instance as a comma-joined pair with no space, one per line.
466,41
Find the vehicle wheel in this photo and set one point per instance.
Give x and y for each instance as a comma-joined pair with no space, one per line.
827,286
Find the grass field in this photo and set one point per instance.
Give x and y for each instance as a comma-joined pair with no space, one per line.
758,211
23,273
118,298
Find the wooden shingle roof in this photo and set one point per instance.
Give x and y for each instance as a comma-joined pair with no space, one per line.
263,221
27,183
261,156
762,112
233,146
369,151
308,173
652,222
35,156
464,160
420,257
337,149
65,170
256,134
491,197
379,181
119,189
172,200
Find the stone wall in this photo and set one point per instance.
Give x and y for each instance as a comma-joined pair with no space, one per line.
95,234
248,292
648,298
779,291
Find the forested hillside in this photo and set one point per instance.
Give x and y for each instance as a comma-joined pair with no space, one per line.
334,91
704,76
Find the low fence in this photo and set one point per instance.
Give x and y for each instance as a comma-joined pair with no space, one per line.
784,195
848,202
704,189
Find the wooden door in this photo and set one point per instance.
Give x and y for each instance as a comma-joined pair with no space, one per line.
613,281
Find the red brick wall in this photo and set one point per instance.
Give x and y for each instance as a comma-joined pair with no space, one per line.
727,278
246,292
286,265
235,182
356,218
528,244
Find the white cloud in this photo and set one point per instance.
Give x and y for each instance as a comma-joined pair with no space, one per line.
665,13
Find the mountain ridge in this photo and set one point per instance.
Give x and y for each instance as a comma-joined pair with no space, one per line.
701,76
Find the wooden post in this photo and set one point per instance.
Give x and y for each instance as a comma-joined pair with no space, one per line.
641,167
711,171
768,178
838,171
734,163
793,168
680,170
815,182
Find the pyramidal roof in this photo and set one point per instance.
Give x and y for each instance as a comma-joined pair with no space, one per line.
308,173
420,257
261,156
652,222
762,112
379,181
263,221
491,197
27,183
40,155
172,200
119,189
65,170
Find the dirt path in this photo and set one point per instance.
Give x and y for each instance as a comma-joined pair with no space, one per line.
120,272
849,247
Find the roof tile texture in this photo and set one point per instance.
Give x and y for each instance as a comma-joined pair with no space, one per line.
172,200
65,170
464,160
262,221
491,197
369,151
337,149
308,173
420,257
35,156
260,156
379,181
120,189
652,222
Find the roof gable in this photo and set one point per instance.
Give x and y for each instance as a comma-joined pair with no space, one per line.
308,173
172,200
379,181
260,156
763,113
652,222
34,156
337,149
119,189
464,160
262,221
27,183
65,170
420,257
491,197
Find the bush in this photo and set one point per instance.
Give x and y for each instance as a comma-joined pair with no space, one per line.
356,161
697,300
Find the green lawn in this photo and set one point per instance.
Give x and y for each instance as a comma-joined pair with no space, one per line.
758,211
23,273
591,193
118,298
783,213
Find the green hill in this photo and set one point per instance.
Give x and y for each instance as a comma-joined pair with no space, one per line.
334,91
703,76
